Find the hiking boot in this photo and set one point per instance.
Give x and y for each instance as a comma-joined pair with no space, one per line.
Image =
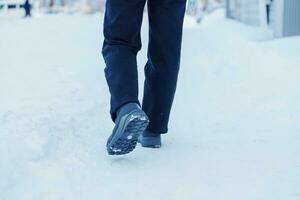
130,123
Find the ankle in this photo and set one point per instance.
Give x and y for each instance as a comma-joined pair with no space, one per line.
151,134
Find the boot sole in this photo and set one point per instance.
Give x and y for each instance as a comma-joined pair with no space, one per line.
126,133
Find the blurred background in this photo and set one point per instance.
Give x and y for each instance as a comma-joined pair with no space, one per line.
281,15
234,128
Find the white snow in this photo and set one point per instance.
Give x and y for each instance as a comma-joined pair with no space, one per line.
234,130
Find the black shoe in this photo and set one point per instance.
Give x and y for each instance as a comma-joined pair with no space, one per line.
130,124
150,140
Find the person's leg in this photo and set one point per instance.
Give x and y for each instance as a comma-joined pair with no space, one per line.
161,71
122,26
27,13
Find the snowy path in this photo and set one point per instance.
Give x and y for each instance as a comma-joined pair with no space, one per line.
238,140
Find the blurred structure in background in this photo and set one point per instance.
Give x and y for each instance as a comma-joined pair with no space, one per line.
199,8
70,6
6,5
282,16
246,11
54,6
285,17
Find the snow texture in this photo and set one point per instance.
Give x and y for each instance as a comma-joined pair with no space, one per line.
234,130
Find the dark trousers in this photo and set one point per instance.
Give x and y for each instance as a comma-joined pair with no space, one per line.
122,25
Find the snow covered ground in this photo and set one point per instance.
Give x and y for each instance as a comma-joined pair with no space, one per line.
234,131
